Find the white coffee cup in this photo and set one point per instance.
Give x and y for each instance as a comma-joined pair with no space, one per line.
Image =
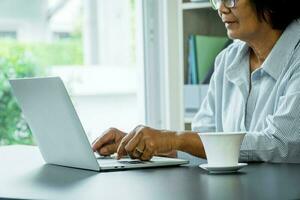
222,148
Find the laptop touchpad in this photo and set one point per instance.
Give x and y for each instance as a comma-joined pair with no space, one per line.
131,162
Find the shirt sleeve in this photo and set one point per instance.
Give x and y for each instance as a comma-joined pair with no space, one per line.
204,120
280,140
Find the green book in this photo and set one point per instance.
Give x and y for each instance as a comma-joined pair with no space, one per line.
207,48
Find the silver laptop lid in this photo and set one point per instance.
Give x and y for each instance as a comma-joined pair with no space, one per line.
54,122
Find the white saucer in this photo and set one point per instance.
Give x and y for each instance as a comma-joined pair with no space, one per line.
223,169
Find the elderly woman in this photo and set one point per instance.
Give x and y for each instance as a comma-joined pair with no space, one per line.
255,88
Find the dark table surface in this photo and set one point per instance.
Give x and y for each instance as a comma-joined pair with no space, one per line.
24,175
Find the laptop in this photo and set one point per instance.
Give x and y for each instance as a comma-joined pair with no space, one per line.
58,131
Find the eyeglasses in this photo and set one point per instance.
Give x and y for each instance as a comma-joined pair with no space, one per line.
215,4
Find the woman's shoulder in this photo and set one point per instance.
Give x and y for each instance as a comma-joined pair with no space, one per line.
236,45
230,53
234,49
295,60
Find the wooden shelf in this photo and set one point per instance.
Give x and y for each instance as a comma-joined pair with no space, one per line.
195,5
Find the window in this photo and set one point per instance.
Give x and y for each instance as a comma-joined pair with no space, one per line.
91,44
8,34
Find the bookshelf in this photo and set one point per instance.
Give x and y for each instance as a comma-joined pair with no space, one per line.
200,19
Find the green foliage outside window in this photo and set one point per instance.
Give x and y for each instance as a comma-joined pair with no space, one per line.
14,63
19,60
61,52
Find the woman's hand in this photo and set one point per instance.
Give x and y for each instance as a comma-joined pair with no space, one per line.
108,143
145,142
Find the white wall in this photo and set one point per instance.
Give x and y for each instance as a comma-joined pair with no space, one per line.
104,97
114,32
100,112
26,17
67,18
109,23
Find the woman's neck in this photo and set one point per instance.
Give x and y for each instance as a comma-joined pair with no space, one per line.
261,46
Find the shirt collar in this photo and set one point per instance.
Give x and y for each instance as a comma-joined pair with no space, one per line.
236,70
283,50
274,63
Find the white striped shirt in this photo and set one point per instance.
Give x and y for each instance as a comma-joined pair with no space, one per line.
269,113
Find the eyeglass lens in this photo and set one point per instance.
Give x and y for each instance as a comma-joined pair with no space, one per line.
227,3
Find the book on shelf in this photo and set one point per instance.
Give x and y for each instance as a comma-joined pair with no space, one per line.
207,48
201,56
202,51
192,61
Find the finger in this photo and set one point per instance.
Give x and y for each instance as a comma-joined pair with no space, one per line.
147,155
107,150
133,143
96,140
138,151
121,148
148,151
108,137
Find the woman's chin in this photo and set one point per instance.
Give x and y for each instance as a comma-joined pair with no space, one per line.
232,34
